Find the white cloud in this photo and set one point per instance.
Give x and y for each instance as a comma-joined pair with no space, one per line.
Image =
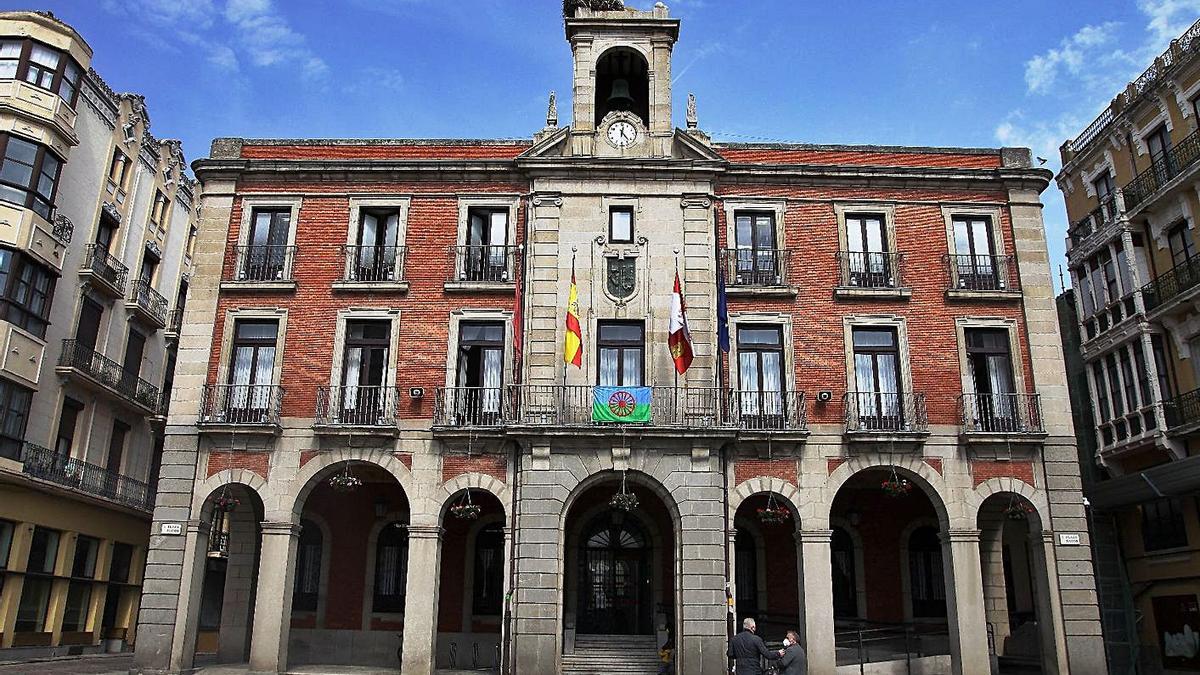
1042,71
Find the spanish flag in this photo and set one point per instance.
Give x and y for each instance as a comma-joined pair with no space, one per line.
573,344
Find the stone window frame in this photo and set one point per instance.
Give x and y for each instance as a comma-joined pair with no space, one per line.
992,213
887,209
1140,132
781,320
339,341
964,323
85,420
401,202
323,581
511,202
1088,176
607,204
731,207
232,316
899,323
260,201
457,317
368,599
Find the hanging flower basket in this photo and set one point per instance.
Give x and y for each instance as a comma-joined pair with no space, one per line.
774,515
896,487
226,503
345,482
1018,510
625,501
465,511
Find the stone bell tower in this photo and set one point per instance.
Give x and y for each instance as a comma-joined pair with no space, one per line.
622,81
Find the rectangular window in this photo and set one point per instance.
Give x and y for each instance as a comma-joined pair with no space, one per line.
158,212
760,370
40,65
190,250
1103,185
867,263
43,551
877,399
1111,285
106,232
620,225
116,446
6,537
488,581
480,369
67,421
1163,525
486,254
88,329
1179,238
365,371
974,258
266,245
84,564
1101,384
1085,293
118,169
35,602
79,590
1131,397
26,292
990,361
10,58
122,563
28,174
1158,142
375,253
621,349
756,248
135,349
14,413
251,370
1161,364
1114,385
1097,284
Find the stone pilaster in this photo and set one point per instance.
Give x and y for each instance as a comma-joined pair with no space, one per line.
421,598
273,601
818,599
543,348
964,603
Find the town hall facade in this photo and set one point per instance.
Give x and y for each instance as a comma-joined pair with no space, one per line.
377,456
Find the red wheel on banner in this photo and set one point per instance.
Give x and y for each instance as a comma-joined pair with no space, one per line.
621,403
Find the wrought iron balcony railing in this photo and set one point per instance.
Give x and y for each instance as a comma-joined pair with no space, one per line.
373,264
1173,282
67,471
105,267
61,227
1002,413
752,410
755,268
484,264
175,320
1094,221
983,273
241,404
472,406
110,374
149,301
264,263
353,405
1183,410
870,269
1172,163
572,405
874,412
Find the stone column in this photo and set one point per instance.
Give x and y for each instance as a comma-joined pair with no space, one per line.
964,603
995,590
1046,599
236,610
10,597
273,598
421,599
506,604
801,618
817,582
191,586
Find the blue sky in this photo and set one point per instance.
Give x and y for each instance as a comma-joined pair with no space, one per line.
1016,72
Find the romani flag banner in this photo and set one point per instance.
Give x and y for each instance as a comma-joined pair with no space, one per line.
621,404
680,338
573,343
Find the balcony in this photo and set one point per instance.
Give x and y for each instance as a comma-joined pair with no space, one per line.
1110,316
870,274
174,324
1173,287
766,411
105,273
482,268
757,272
1001,418
241,408
873,416
102,374
25,99
147,304
1174,163
1090,228
262,268
1183,412
45,240
982,277
45,464
370,268
356,409
477,408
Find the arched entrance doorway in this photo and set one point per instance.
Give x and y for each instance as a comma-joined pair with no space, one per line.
615,594
349,575
234,515
471,581
766,565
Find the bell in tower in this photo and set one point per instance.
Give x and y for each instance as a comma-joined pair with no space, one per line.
623,73
620,99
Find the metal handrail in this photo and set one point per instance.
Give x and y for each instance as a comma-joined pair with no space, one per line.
149,300
1161,171
472,406
870,269
885,412
1014,413
110,374
571,405
1171,283
264,262
249,404
981,272
1183,409
757,410
43,463
175,320
758,267
484,263
1096,219
99,262
873,642
354,405
367,264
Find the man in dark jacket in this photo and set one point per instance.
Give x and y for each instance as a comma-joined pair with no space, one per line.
792,658
747,649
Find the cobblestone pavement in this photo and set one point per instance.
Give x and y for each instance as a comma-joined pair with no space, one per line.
85,665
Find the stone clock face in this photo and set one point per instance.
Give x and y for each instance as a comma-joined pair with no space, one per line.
622,134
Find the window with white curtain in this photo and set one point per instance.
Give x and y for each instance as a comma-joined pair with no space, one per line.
486,255
252,367
391,568
378,234
364,369
877,377
991,370
760,370
867,248
621,349
480,366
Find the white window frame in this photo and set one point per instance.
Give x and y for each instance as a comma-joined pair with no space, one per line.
232,316
607,205
398,202
849,323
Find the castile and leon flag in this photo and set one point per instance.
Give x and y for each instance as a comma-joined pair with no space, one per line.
680,338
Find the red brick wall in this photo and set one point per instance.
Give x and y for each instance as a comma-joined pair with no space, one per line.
495,466
745,469
421,151
258,462
859,157
982,470
779,551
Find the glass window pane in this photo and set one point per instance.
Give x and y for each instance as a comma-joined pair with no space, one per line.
854,235
262,330
874,337
6,533
621,225
43,550
744,234
770,337
44,56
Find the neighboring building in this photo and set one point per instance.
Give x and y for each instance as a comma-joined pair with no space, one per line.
95,216
374,347
1131,182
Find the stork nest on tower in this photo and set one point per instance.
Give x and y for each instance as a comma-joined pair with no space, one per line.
569,6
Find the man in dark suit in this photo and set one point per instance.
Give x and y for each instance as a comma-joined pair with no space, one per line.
747,650
792,658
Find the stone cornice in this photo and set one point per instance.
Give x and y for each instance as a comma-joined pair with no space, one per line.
1038,179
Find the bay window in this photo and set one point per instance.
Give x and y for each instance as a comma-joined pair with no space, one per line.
26,290
40,65
28,174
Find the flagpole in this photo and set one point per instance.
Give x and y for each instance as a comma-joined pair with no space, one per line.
673,367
